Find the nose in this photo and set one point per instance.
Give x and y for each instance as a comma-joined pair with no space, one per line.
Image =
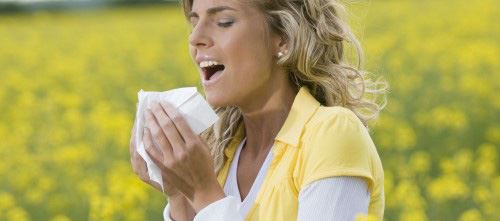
200,37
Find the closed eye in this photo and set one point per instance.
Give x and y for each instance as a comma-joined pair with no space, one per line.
225,24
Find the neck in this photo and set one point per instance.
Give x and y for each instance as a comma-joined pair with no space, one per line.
264,119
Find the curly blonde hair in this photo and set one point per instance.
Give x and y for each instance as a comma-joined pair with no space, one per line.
316,34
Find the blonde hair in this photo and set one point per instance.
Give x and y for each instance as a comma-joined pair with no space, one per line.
315,34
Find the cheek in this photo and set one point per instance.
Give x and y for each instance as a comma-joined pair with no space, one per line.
248,56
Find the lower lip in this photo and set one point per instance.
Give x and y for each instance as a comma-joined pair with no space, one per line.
212,79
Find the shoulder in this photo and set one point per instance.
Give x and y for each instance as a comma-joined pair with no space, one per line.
335,114
336,130
334,121
336,143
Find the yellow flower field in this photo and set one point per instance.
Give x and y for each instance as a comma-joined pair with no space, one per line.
69,82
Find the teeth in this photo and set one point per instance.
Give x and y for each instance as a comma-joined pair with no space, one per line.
205,64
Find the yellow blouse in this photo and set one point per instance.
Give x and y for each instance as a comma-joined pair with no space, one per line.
315,142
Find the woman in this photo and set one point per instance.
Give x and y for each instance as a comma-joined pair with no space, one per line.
291,142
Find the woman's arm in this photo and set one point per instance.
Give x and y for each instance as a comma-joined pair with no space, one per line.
335,198
178,209
224,209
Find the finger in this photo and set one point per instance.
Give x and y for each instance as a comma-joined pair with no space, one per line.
169,175
179,121
139,164
168,127
156,156
140,168
153,152
156,186
158,136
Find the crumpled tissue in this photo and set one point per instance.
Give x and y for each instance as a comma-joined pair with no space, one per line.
197,112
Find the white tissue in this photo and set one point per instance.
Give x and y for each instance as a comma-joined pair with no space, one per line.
198,114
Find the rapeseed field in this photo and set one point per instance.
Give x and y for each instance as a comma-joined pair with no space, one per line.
69,82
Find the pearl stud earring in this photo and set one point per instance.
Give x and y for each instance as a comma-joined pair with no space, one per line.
280,54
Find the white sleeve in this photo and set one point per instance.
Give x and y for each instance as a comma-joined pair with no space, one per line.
334,198
225,209
166,213
220,210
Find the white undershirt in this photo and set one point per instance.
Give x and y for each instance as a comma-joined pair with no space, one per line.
231,187
333,198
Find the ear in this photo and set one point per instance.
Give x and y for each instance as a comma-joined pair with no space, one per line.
280,44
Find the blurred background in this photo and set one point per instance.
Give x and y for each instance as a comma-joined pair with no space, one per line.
70,72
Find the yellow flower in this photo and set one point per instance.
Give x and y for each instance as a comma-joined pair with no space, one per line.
471,215
17,214
69,82
60,218
420,161
448,187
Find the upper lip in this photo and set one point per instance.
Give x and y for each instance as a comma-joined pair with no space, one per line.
199,59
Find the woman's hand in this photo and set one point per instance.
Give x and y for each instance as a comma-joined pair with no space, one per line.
183,156
180,208
139,167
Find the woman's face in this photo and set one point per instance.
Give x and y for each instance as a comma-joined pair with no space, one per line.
234,35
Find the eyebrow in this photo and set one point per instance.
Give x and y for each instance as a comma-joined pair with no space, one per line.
211,11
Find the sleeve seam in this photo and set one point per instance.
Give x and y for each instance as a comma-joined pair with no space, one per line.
340,172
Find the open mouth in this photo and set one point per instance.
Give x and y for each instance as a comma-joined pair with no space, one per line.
212,71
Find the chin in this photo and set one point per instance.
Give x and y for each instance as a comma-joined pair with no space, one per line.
216,98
